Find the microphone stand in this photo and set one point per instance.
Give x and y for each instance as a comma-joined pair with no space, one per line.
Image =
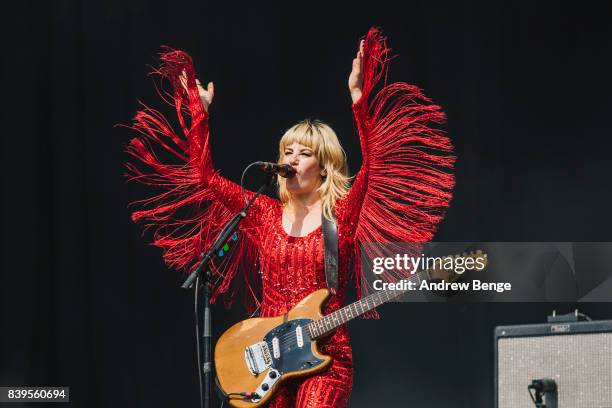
227,231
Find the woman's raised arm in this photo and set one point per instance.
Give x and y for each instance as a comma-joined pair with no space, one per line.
193,201
405,182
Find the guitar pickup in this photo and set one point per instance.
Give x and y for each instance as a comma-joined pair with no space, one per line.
299,336
275,348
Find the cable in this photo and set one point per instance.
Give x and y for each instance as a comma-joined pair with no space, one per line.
244,394
256,310
531,396
197,329
242,181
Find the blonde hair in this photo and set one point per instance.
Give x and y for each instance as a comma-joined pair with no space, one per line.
321,138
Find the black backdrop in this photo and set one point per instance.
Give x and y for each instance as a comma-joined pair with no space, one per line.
88,304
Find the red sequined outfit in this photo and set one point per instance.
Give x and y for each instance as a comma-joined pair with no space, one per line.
292,268
398,195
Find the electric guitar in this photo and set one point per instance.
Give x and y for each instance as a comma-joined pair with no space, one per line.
254,356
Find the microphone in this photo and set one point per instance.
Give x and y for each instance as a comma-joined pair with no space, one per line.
283,170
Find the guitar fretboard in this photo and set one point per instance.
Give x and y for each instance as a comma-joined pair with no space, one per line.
330,322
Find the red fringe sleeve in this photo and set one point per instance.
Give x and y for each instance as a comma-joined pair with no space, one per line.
405,182
192,205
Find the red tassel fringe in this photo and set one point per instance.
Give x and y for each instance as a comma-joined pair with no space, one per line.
408,163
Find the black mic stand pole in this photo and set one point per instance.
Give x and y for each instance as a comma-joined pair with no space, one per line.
223,236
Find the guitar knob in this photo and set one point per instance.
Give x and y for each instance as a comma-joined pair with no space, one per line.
272,374
265,386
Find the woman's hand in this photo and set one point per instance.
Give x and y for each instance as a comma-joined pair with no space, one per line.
355,81
205,94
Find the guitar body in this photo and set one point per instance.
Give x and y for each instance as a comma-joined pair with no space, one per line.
257,355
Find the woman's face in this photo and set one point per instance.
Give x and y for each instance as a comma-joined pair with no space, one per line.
304,161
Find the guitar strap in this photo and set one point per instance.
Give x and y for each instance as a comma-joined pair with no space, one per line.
330,247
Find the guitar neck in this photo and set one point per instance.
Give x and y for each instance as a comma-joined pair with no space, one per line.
326,324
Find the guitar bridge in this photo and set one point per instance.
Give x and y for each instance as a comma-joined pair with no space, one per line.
258,357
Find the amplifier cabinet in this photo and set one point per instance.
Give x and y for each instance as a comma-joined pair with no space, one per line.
577,355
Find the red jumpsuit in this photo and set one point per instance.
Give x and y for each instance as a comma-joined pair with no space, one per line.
292,268
398,195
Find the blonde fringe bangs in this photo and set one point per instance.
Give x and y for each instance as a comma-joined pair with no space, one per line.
321,138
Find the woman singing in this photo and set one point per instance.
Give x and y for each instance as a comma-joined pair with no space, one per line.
398,195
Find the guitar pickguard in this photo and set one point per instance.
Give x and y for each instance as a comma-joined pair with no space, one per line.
293,347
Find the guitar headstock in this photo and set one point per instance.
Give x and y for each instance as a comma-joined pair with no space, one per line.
451,267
